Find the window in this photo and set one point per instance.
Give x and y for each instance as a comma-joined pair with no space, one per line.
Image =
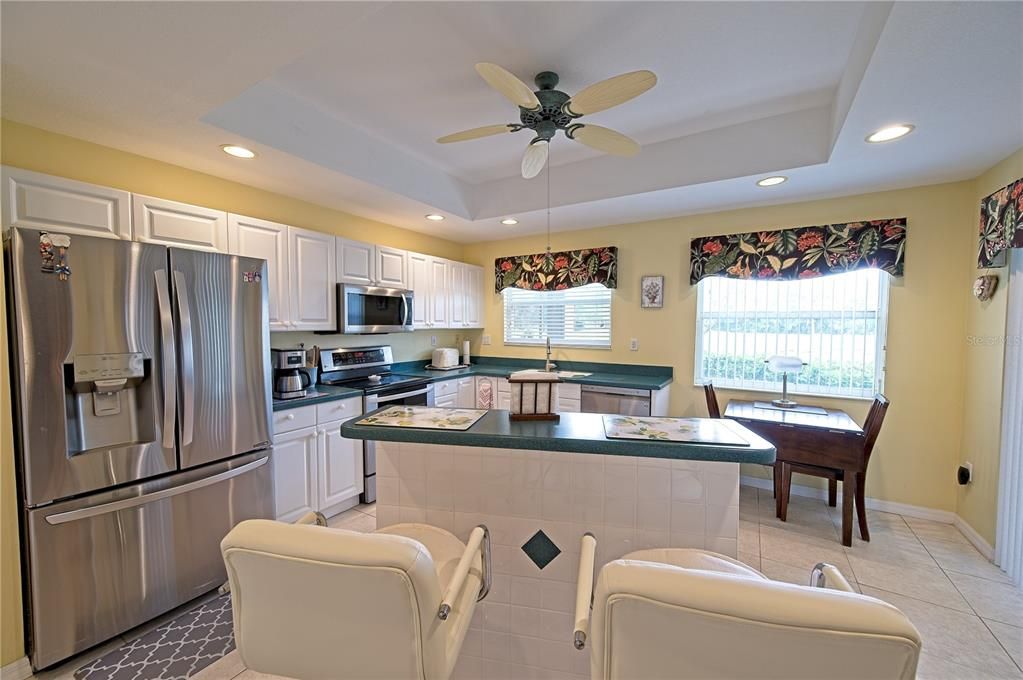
574,316
836,324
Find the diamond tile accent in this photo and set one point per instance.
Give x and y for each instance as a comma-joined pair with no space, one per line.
541,549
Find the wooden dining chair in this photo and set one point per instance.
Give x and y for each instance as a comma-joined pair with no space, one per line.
853,479
713,410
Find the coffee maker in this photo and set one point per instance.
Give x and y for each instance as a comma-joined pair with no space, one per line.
294,372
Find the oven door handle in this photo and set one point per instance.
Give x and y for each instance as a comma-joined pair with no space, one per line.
395,397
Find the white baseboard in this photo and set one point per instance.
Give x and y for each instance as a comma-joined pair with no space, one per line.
982,546
17,670
917,511
943,516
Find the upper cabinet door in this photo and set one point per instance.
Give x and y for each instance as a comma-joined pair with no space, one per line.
311,260
170,223
355,262
456,293
38,201
392,267
440,302
253,237
474,296
419,282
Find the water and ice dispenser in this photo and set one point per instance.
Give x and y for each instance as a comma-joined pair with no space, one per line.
105,406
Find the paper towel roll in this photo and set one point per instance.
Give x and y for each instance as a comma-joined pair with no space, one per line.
465,352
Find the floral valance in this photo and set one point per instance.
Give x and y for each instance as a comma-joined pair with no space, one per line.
558,271
802,252
1001,225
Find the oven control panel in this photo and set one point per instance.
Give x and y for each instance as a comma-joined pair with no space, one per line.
357,357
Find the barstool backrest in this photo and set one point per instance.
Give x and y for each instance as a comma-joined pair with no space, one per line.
334,603
661,621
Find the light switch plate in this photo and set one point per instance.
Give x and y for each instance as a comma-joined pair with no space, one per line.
634,344
486,340
433,341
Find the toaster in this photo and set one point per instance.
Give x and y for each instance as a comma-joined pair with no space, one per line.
445,357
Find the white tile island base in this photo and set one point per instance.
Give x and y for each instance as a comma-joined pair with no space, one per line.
523,630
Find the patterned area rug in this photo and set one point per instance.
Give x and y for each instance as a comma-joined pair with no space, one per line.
174,651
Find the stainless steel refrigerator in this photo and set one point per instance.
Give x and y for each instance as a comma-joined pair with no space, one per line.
142,423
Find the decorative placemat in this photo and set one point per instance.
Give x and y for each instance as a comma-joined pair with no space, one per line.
798,408
176,650
714,431
425,418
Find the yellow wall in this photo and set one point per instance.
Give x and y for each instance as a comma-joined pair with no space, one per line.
919,446
34,149
984,349
11,645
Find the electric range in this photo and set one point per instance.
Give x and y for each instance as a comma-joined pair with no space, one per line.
369,369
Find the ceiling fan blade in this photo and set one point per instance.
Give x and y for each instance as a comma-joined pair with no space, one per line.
507,84
534,159
603,139
475,133
610,92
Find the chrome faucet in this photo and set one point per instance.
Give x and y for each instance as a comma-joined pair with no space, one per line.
549,365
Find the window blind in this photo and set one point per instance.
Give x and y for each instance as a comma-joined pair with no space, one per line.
836,324
574,316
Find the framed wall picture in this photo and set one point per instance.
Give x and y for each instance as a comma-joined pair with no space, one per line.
651,292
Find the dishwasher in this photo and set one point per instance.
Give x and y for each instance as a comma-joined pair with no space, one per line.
624,401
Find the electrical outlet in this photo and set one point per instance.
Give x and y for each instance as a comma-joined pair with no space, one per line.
486,340
433,341
965,473
634,344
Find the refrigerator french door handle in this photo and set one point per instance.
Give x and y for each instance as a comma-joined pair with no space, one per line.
169,356
187,360
114,506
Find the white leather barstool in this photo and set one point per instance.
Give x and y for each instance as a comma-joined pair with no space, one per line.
667,614
313,603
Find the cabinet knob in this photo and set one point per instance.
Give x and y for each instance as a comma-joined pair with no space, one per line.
290,416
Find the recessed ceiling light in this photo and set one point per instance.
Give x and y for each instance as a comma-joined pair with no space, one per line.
509,221
435,217
237,151
771,181
887,134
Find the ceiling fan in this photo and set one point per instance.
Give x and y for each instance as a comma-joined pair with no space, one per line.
548,110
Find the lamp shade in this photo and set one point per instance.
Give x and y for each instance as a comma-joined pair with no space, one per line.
780,364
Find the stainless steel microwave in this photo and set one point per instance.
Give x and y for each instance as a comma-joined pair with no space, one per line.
371,309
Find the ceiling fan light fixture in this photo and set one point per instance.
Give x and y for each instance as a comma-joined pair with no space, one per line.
509,221
890,133
434,217
772,181
237,151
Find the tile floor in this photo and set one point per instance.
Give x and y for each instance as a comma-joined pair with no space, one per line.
970,617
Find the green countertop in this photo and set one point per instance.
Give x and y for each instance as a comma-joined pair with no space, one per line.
319,395
612,375
575,432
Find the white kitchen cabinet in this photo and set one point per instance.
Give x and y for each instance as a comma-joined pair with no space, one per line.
456,294
391,267
252,237
170,223
339,469
294,472
419,283
38,201
569,398
311,263
447,401
445,393
466,394
440,293
473,296
356,262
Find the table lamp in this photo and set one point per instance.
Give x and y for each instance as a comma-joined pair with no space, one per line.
785,365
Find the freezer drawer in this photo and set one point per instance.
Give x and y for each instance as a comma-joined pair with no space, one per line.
103,564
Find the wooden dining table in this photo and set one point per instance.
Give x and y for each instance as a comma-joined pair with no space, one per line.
810,435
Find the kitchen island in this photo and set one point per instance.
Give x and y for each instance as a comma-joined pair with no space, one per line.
538,486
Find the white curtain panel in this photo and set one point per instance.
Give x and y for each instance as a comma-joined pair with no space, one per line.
1009,539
